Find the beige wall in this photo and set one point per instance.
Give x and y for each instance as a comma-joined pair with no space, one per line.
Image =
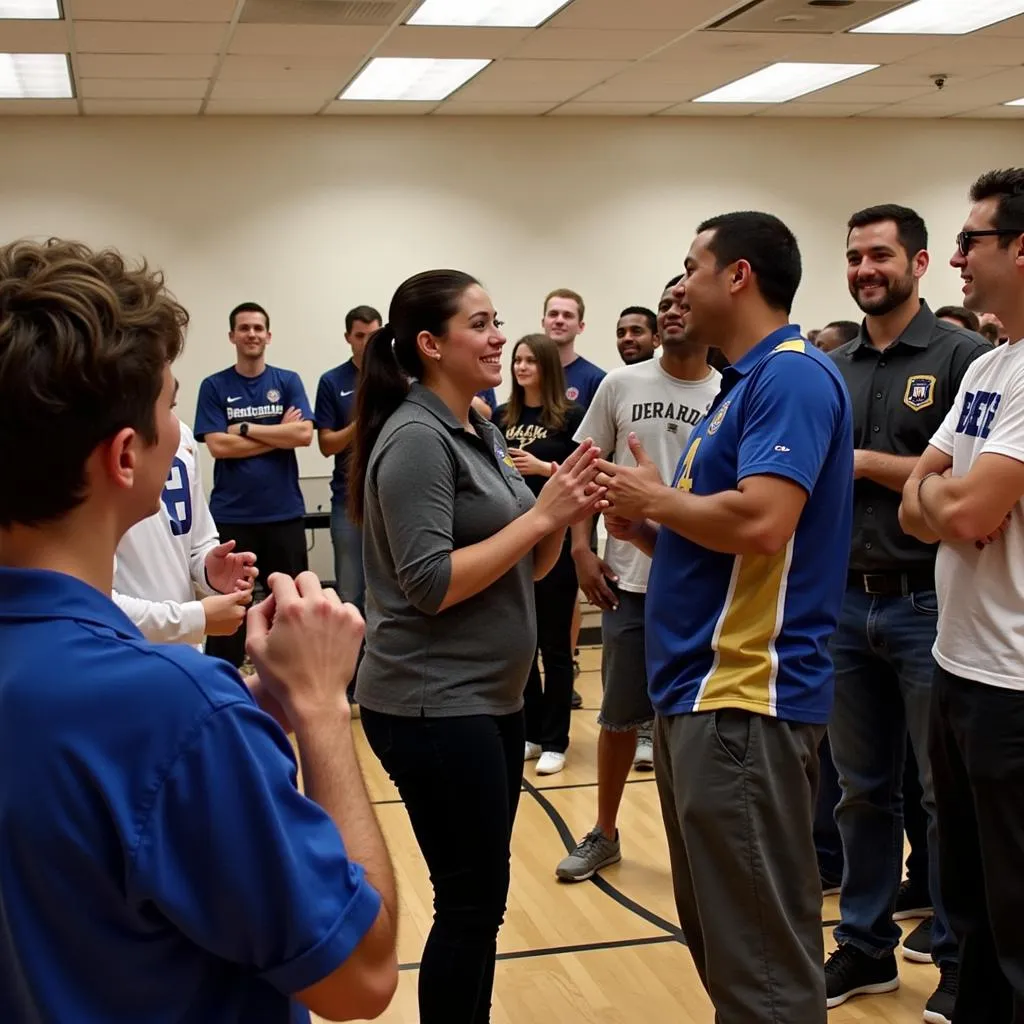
310,217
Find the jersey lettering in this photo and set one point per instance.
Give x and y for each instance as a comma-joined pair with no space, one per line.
177,498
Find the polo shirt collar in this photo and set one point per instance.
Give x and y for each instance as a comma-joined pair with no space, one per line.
790,332
917,334
32,594
426,399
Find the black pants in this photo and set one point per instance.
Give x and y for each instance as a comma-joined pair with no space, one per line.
460,779
278,547
549,708
915,824
977,751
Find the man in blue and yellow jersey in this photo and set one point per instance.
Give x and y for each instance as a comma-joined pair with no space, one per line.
750,547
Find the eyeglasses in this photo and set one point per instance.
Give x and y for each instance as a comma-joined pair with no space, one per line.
965,239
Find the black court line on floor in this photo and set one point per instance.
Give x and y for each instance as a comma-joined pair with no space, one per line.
589,785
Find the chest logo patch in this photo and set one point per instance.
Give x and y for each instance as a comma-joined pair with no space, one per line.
273,395
504,456
716,420
920,392
572,393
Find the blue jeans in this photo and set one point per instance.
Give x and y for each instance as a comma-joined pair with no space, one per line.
884,670
347,539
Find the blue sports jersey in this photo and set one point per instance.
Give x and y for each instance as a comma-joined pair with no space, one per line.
752,631
335,407
582,379
490,397
263,488
157,861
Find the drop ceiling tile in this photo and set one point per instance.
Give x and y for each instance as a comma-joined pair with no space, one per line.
1000,112
122,107
905,73
288,106
34,37
150,65
148,37
652,82
431,41
249,67
760,47
822,110
970,53
153,10
38,107
1011,28
853,92
713,110
678,15
581,108
314,40
311,89
143,88
909,111
374,108
484,109
535,80
590,44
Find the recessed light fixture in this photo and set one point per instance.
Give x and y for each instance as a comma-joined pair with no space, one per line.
411,78
781,82
489,13
35,76
943,17
30,10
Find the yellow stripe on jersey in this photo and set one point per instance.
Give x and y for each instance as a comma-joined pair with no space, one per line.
745,666
796,345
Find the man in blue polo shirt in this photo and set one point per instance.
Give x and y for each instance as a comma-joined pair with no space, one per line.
252,417
750,546
158,862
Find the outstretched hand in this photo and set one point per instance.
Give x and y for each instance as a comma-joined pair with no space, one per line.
228,570
571,493
630,489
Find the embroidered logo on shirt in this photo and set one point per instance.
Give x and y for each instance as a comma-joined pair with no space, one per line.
719,416
273,395
234,398
503,455
345,394
920,392
572,393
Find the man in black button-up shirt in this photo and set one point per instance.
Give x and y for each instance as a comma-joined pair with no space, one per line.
903,371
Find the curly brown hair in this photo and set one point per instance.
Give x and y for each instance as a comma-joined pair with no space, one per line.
84,340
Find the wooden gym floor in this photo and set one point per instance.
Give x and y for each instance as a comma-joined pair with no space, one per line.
598,952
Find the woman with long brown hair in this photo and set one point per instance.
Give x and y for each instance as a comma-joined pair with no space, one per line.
539,424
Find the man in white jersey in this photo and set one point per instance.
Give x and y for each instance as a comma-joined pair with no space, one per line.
660,401
163,561
966,492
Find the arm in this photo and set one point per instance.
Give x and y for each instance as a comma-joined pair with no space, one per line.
164,622
482,407
334,442
974,506
231,446
912,517
295,434
204,533
883,468
546,553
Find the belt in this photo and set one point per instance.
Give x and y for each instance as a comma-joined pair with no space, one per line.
892,584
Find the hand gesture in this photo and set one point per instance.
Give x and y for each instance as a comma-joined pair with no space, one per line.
225,613
304,644
571,493
630,490
529,465
228,570
591,572
621,528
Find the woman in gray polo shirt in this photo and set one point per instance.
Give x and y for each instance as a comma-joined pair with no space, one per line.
453,540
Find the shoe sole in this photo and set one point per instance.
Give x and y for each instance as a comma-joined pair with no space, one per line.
551,771
863,990
832,890
643,766
566,877
934,1017
910,915
916,956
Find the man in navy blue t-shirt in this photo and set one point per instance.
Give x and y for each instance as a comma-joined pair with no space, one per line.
158,861
252,417
335,430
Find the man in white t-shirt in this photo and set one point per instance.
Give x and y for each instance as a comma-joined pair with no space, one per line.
163,561
967,492
660,401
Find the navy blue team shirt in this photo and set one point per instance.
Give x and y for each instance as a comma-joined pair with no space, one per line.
157,862
335,405
582,379
263,488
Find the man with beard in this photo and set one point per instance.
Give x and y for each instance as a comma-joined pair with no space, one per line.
636,335
903,371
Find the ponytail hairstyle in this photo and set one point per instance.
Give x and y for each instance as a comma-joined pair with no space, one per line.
554,405
392,361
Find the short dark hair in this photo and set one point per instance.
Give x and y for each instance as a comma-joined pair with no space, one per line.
84,340
364,314
968,320
910,227
766,244
248,307
989,331
650,315
671,284
848,329
1008,187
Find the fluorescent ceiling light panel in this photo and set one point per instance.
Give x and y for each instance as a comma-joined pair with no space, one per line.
35,76
943,17
411,78
489,13
781,82
30,10
1015,103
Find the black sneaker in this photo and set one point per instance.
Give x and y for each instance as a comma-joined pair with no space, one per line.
830,887
849,972
577,701
939,1008
911,902
917,946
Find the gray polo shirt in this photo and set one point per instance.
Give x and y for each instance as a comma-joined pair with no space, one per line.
433,487
900,398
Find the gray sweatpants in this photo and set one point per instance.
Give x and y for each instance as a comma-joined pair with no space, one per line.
737,795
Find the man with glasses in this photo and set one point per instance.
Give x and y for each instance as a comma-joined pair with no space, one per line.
966,492
902,372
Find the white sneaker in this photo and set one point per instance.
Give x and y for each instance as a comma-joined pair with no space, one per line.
643,759
532,751
550,763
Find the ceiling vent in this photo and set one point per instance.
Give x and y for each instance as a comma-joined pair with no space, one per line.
322,12
815,16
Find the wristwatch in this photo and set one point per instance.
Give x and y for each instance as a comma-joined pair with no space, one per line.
243,429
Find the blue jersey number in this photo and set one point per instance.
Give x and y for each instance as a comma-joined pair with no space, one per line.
178,498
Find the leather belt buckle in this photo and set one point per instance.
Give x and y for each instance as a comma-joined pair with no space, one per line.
875,588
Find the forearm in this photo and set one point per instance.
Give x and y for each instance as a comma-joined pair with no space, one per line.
283,435
482,407
891,471
645,538
547,553
581,533
234,446
947,509
164,622
729,522
911,515
334,442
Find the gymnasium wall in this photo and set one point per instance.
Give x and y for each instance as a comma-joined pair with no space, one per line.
312,216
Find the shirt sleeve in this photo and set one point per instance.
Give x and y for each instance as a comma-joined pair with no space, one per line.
327,412
204,534
943,437
164,622
245,866
489,397
1006,436
791,415
419,533
599,419
295,395
210,415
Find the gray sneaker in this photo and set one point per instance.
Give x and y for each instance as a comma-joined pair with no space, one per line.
594,852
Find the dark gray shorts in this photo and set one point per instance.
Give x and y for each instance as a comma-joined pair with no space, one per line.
625,704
